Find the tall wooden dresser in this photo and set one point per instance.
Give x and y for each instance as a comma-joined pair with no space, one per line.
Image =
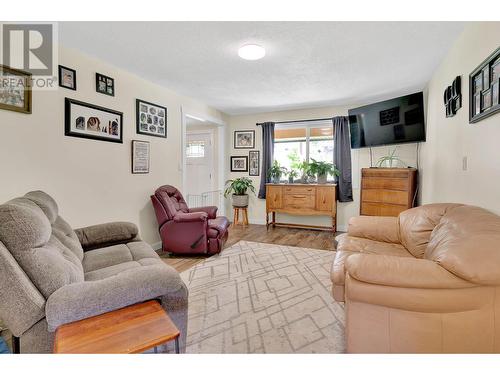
387,191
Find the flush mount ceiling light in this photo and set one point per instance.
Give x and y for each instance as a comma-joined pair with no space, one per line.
251,52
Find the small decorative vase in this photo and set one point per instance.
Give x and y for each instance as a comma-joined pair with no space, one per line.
290,179
240,200
276,179
322,178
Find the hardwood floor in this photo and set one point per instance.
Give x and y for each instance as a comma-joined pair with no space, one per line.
258,233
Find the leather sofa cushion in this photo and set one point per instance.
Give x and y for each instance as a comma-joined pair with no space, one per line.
466,242
417,224
217,227
348,245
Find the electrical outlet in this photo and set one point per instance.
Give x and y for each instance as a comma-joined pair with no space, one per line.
464,163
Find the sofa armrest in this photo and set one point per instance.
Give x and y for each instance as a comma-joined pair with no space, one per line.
402,272
377,228
79,301
108,234
182,217
211,211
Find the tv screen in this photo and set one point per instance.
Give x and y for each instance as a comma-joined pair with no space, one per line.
397,120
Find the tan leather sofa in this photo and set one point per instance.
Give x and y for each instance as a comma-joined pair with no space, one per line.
425,282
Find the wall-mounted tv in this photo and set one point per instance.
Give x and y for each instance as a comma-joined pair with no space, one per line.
398,120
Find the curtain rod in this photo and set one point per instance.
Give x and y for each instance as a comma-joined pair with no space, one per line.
288,122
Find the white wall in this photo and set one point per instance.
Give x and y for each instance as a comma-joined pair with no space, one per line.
360,159
450,139
91,180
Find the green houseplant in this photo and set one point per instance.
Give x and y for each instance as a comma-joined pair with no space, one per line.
390,161
305,171
292,175
276,171
322,169
239,187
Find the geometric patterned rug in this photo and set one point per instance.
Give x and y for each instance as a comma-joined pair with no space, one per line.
264,298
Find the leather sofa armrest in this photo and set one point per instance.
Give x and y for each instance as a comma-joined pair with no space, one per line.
182,217
102,235
211,211
402,272
79,301
377,228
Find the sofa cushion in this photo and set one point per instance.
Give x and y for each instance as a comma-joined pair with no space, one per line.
27,233
117,254
466,242
217,227
417,224
348,245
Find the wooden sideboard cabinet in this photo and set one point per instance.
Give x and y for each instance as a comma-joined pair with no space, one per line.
301,199
387,191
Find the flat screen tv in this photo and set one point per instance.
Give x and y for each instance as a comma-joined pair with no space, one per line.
398,120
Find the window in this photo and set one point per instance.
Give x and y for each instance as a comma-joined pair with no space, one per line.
195,149
298,142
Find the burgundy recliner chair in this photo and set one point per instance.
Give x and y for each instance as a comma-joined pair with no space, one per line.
188,231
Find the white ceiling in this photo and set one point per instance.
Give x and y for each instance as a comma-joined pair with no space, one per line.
307,64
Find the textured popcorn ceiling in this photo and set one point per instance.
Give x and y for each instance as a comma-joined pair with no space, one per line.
308,64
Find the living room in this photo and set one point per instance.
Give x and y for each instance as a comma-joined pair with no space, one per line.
249,187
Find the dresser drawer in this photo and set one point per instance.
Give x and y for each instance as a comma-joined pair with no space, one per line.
298,201
385,183
385,196
305,190
381,209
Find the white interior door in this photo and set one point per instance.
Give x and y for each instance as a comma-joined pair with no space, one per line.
199,163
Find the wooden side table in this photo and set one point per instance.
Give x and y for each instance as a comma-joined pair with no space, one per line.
244,215
133,329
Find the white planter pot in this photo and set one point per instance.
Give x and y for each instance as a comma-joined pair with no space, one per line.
322,179
240,200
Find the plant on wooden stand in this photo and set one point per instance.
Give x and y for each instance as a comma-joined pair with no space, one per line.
322,169
239,187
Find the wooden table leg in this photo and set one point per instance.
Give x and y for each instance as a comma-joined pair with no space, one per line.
274,219
177,346
245,216
267,220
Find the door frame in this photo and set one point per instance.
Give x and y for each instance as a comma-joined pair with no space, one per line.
220,158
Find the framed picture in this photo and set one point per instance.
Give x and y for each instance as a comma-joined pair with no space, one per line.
90,121
486,100
244,139
104,84
67,77
483,88
239,163
15,91
140,157
151,119
253,163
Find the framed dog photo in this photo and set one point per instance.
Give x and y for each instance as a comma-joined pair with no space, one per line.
67,77
244,139
151,119
253,163
239,163
15,90
90,121
140,157
104,84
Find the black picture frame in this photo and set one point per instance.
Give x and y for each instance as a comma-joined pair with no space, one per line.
108,87
453,97
143,108
61,82
251,170
245,158
97,135
133,164
235,143
482,71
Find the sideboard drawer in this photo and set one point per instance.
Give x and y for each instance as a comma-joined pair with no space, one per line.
300,190
297,201
385,196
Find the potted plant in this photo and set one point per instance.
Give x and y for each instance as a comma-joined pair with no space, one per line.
305,169
239,187
292,175
276,171
390,161
322,169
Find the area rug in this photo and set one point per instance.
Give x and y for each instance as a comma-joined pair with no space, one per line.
264,298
